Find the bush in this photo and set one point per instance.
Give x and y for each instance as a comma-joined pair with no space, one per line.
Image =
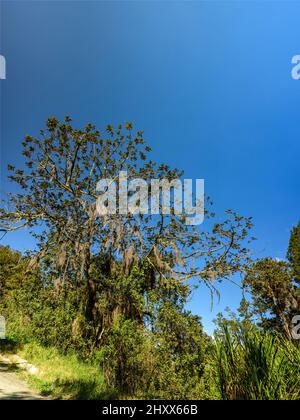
127,358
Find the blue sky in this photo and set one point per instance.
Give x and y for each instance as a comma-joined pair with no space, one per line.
209,82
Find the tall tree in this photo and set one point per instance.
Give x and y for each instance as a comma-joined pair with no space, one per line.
273,293
57,202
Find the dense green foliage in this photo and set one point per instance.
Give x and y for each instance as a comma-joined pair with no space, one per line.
293,255
251,365
172,359
273,293
164,360
107,295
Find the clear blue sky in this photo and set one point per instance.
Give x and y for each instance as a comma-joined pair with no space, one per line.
209,82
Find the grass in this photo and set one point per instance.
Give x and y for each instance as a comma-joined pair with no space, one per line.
246,365
256,366
64,376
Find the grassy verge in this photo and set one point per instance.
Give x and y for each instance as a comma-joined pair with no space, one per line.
63,376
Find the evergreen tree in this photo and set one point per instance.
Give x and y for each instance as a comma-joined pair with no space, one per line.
293,255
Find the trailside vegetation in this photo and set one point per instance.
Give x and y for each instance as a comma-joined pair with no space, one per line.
106,295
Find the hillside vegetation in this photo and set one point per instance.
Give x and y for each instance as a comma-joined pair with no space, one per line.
100,304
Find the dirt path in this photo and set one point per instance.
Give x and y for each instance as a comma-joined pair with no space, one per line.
12,387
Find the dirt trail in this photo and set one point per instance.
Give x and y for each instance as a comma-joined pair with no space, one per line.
12,387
